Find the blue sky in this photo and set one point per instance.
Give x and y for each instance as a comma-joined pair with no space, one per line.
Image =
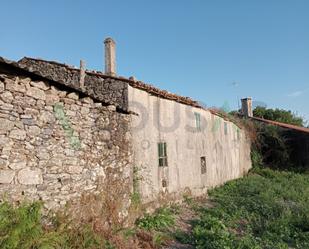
213,51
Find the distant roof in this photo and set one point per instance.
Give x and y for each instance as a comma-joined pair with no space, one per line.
283,125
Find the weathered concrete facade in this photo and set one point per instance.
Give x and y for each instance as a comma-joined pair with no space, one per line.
57,145
191,142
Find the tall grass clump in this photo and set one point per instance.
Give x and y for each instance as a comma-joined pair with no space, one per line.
21,228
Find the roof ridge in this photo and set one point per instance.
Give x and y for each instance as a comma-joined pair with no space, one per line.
281,124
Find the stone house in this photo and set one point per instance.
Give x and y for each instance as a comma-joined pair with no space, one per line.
67,131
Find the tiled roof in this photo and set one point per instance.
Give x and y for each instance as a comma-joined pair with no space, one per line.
283,125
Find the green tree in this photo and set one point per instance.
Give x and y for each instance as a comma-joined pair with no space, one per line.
278,115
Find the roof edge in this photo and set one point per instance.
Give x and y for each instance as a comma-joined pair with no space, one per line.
283,125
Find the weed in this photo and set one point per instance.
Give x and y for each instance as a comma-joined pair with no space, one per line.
136,196
162,219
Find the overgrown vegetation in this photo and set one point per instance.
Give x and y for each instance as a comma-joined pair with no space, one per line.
266,210
276,147
24,227
278,115
136,196
158,224
163,218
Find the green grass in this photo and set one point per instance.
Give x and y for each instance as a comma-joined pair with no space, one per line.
267,209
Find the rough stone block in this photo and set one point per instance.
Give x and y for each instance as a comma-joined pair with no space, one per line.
111,108
25,81
52,99
6,176
11,85
105,135
36,93
47,117
33,131
6,106
3,163
31,111
73,95
7,97
40,104
18,134
18,165
87,100
28,121
30,176
84,110
68,101
41,85
1,87
43,155
55,90
5,125
74,169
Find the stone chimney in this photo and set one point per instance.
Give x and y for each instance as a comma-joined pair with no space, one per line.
82,74
246,107
110,57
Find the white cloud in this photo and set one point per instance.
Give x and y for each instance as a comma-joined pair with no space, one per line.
296,94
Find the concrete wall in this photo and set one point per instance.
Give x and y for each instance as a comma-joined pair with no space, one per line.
56,146
227,155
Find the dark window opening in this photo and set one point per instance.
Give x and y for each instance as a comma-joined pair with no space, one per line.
203,165
162,152
164,183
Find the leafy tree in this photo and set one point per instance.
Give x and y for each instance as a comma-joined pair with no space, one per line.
278,115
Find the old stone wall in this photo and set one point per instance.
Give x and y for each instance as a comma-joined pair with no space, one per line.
56,146
104,88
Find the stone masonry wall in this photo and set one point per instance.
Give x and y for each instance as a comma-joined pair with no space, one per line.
55,146
106,89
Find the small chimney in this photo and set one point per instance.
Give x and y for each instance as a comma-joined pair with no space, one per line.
82,73
246,107
110,57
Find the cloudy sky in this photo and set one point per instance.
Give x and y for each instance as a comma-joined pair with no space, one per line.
214,51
